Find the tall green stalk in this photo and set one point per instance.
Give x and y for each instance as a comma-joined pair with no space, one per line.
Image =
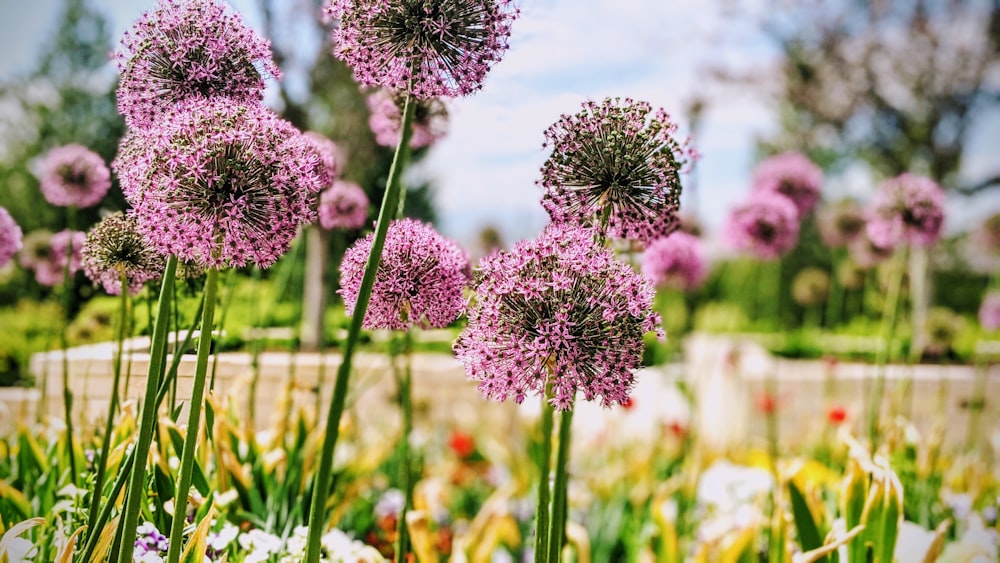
321,481
194,417
157,358
542,522
559,493
102,460
886,333
404,382
64,344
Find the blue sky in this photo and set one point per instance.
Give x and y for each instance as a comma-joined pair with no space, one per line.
562,53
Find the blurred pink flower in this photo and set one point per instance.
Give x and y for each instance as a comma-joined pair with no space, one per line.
767,226
792,175
10,237
73,175
676,261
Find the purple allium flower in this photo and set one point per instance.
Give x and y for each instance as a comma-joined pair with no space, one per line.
73,175
867,253
767,226
419,281
442,48
149,540
675,261
10,237
615,165
841,223
430,119
47,255
559,309
219,183
114,248
189,49
989,311
907,209
792,175
331,158
343,205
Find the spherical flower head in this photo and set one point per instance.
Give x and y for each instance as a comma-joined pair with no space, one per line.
430,49
385,117
48,257
767,226
941,328
907,209
867,253
343,205
810,287
792,175
331,158
219,183
989,311
615,166
73,175
558,309
675,261
188,49
10,237
115,248
841,224
419,281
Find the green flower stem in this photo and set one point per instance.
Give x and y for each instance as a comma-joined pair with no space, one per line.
157,357
226,303
102,460
559,494
542,525
835,305
776,295
321,482
64,344
404,381
886,331
194,417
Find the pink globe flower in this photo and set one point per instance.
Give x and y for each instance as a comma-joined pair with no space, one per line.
419,281
841,223
767,226
429,49
220,183
73,175
907,209
868,253
615,166
48,257
559,309
114,248
10,237
430,119
675,261
331,158
188,49
792,175
989,311
343,206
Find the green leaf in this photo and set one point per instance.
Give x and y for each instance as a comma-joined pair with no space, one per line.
808,532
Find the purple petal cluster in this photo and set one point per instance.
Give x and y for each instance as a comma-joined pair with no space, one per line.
868,253
989,311
767,226
220,183
331,158
841,224
558,309
792,175
46,254
675,261
907,209
73,175
430,49
343,205
419,281
10,237
615,166
430,119
188,49
150,541
114,248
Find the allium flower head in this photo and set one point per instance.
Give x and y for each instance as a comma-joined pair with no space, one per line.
220,183
73,175
767,226
440,48
614,165
188,49
343,205
46,254
331,158
792,175
810,287
841,224
10,237
675,261
989,311
114,248
419,281
867,253
385,117
907,209
561,309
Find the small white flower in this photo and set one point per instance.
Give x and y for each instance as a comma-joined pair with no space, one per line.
20,550
221,539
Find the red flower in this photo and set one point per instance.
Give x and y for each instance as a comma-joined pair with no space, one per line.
462,444
767,403
628,403
837,414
